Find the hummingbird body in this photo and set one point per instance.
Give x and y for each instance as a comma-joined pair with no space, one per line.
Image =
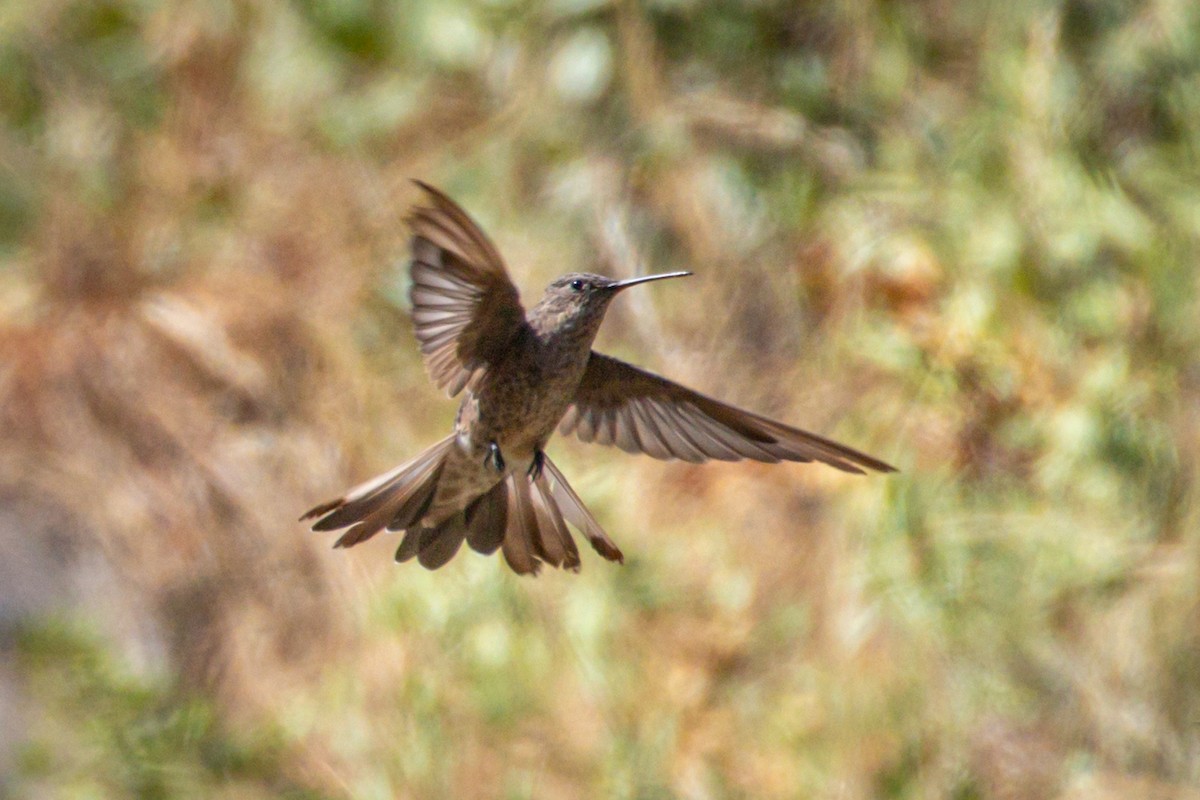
518,404
522,375
516,408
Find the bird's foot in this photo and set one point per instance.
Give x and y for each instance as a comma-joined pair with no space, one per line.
493,458
535,466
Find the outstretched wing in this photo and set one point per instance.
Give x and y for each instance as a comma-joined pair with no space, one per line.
640,412
466,311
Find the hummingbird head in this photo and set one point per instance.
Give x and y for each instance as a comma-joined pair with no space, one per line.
577,301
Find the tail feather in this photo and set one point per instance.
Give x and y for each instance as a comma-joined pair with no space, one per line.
440,544
403,507
487,518
371,524
526,519
481,524
555,544
410,545
577,514
416,504
521,530
367,498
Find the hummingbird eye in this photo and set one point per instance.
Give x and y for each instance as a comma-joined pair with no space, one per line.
577,285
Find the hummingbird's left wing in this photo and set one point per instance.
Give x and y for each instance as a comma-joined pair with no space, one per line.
618,404
466,310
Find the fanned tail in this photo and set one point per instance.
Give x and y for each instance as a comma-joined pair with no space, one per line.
395,500
524,518
536,528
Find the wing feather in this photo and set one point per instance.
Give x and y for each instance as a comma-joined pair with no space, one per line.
638,411
466,311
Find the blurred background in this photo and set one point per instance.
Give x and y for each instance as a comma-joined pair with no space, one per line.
959,236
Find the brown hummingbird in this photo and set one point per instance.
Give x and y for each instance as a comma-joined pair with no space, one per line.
524,374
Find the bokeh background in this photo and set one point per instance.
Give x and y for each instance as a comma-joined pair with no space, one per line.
961,236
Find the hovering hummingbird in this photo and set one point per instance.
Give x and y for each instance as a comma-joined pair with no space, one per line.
524,374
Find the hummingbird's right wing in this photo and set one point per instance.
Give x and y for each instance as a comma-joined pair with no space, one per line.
466,310
618,404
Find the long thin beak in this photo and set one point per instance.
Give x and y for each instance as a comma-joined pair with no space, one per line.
619,285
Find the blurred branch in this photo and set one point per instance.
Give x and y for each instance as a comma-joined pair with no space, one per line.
741,125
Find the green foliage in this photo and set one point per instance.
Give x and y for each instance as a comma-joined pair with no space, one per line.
102,731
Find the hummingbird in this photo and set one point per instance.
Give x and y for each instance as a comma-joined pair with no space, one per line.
523,375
